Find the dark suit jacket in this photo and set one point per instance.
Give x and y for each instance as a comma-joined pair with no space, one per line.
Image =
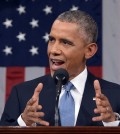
21,93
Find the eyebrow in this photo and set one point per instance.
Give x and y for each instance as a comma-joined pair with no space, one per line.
62,39
50,36
66,40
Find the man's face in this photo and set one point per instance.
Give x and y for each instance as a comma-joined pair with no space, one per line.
66,48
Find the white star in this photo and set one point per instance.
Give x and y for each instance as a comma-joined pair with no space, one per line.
7,50
34,50
46,37
47,10
21,9
21,36
34,23
7,23
74,8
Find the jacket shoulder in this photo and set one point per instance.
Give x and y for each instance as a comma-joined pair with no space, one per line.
42,79
105,84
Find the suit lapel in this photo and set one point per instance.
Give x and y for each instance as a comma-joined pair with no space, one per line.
47,100
86,111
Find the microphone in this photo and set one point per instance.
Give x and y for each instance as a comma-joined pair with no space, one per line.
60,77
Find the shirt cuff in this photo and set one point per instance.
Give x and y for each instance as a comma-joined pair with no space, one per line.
111,124
20,121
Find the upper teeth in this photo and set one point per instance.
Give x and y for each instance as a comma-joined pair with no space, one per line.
55,61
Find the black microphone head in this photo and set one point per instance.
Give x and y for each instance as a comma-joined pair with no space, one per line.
61,75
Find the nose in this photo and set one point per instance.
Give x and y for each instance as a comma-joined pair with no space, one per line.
55,49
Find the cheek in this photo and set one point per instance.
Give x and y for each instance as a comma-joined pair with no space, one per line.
76,59
48,49
72,59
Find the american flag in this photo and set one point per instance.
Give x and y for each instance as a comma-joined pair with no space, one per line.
24,31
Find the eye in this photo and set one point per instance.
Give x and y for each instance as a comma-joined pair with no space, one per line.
67,42
51,39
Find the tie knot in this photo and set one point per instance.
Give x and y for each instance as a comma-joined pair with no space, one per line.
68,86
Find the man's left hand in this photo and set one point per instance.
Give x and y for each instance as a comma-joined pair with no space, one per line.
103,106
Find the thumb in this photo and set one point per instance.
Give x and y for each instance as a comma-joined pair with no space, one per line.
37,91
97,87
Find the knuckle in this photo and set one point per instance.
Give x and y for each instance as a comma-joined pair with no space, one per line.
28,108
29,102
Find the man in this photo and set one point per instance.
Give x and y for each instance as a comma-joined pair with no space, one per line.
72,40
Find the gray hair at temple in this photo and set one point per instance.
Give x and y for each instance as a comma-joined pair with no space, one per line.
87,25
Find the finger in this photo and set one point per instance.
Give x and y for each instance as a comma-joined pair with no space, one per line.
101,110
36,114
102,103
102,97
39,121
97,87
37,91
102,117
31,101
33,108
98,118
42,122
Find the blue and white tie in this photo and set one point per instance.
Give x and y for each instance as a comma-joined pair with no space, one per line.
67,106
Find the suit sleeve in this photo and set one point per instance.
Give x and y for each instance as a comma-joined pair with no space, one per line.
11,111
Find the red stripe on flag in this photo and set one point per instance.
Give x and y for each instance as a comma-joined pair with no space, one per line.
97,71
47,70
14,75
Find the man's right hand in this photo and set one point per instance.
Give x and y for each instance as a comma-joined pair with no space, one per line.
31,114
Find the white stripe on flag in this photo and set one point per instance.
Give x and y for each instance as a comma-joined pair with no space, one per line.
2,88
34,72
111,40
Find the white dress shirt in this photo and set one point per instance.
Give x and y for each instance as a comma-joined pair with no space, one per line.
79,84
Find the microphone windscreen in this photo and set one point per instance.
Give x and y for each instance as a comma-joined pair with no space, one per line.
61,74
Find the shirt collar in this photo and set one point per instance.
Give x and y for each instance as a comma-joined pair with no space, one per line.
80,80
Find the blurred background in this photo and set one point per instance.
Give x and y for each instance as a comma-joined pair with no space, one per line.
24,31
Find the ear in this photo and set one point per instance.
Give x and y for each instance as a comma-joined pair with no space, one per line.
90,51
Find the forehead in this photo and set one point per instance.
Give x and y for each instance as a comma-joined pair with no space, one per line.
62,28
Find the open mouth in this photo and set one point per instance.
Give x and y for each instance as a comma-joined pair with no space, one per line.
57,62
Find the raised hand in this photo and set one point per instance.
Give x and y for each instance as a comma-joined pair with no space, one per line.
103,106
31,114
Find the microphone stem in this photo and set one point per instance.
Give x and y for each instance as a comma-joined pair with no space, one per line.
58,91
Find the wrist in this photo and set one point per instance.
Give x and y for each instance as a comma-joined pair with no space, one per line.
117,116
